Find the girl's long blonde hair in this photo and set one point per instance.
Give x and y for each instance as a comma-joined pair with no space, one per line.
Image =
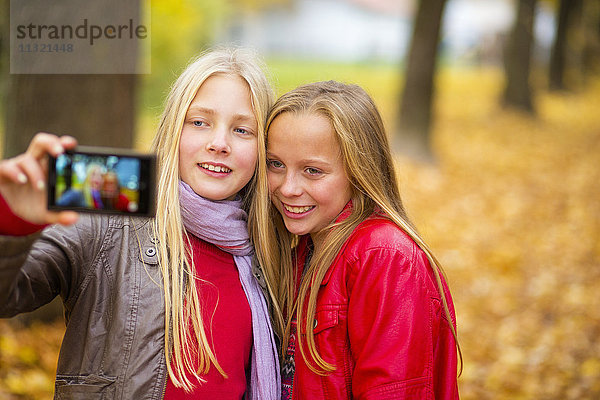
92,169
368,162
182,302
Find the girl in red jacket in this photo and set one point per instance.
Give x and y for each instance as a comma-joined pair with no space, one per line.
365,312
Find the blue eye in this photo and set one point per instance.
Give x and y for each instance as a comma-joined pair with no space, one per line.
198,123
242,131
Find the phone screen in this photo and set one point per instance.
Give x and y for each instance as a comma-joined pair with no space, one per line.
97,182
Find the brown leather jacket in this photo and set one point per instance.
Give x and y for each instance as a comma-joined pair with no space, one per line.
105,269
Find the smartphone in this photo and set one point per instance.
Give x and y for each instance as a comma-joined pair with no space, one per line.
102,180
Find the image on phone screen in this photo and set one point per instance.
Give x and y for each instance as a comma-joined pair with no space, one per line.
100,182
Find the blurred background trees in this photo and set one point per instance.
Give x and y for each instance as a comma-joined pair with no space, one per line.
415,117
517,59
558,56
575,53
96,109
501,94
424,39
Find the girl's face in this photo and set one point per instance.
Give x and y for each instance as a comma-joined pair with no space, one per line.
307,180
110,187
96,178
218,148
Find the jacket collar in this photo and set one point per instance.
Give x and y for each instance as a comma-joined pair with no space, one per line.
306,242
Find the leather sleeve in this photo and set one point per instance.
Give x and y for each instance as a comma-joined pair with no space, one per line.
36,268
392,315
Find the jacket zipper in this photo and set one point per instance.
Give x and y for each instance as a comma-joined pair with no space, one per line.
166,378
165,387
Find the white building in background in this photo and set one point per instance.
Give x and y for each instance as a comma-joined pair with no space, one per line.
474,30
331,29
369,30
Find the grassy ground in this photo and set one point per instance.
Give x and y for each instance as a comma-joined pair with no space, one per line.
511,209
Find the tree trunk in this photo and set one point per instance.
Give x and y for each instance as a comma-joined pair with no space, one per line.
79,96
415,117
591,46
96,109
558,55
4,61
517,59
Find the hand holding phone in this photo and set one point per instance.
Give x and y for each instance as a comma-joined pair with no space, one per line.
102,180
23,180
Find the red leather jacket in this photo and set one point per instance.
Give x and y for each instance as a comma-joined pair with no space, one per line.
381,322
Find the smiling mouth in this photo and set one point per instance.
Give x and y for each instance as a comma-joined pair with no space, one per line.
215,168
297,210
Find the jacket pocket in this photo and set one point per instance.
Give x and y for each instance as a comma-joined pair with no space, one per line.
325,319
331,332
417,389
149,255
92,387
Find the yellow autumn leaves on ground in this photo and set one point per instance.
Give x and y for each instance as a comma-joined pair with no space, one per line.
512,210
28,360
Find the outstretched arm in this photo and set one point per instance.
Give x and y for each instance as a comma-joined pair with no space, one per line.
23,180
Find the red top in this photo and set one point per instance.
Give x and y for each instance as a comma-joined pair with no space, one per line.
225,312
380,321
219,286
12,225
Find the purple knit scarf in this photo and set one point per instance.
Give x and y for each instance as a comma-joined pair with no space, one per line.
224,224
